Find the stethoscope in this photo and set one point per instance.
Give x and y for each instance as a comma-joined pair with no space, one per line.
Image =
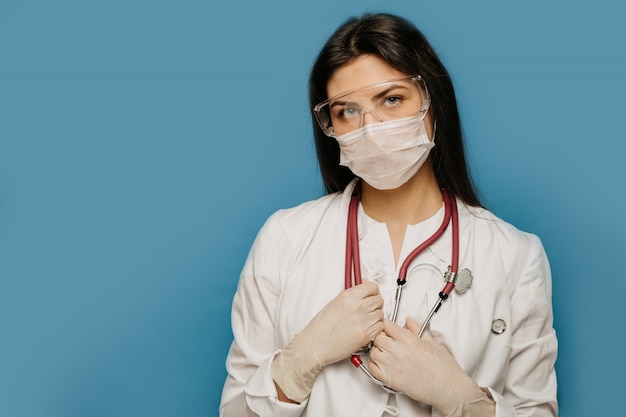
452,276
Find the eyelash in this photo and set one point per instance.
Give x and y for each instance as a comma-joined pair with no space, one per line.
396,98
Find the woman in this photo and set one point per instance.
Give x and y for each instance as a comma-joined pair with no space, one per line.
389,145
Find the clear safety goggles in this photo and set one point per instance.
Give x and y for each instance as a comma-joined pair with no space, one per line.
383,101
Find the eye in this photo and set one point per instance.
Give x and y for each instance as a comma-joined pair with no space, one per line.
349,112
392,101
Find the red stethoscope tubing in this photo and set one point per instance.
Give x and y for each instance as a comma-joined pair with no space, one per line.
353,264
353,258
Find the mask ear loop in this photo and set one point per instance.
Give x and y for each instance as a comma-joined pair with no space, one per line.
432,139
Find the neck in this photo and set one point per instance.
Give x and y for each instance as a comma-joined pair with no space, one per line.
413,202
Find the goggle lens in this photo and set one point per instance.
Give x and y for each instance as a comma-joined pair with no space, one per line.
388,100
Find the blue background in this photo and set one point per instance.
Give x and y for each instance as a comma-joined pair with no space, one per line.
143,144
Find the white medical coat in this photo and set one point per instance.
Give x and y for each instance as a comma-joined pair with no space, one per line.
296,266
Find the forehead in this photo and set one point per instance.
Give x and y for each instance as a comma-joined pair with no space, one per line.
362,71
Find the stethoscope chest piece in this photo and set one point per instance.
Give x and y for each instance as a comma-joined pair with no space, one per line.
463,280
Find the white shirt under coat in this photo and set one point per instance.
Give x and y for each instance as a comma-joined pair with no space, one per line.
296,266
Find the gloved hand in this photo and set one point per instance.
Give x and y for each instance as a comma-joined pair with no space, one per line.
425,371
348,322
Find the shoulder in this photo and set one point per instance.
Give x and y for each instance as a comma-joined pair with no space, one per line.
521,253
486,223
303,216
298,224
308,210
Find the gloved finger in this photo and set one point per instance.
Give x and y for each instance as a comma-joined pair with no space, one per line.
374,366
364,289
394,331
383,342
373,302
380,358
375,329
382,361
414,327
377,318
371,307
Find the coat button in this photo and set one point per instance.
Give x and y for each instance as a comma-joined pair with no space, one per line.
498,326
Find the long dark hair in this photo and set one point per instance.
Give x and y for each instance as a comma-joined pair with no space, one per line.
399,43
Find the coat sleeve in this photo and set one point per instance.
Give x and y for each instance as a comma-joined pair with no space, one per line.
530,388
249,389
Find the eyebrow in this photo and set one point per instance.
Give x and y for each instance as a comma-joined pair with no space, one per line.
376,96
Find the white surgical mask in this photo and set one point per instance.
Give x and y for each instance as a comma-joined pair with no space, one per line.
386,154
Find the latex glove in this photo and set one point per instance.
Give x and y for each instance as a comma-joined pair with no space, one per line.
425,371
348,322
